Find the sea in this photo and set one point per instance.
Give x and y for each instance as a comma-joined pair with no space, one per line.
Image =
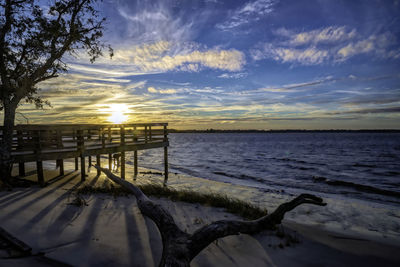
364,166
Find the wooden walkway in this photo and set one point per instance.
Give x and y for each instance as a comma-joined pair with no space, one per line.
37,143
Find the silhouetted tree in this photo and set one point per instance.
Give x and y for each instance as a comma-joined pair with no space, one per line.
33,41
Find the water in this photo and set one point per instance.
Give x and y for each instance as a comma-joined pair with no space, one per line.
354,165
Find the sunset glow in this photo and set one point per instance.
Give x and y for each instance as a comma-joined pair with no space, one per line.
248,64
118,112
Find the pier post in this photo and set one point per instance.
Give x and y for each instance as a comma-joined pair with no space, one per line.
83,173
81,144
21,169
21,165
165,165
123,152
60,162
39,168
150,137
109,155
165,156
98,164
89,163
135,156
135,165
76,159
103,145
39,163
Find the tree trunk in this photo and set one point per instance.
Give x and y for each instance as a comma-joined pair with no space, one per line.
179,247
6,143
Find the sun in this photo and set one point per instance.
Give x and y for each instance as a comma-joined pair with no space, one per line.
118,112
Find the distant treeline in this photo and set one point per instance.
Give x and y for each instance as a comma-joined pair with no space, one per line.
284,131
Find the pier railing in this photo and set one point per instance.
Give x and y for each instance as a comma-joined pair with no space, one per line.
61,141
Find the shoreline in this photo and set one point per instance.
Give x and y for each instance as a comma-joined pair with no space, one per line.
286,131
318,228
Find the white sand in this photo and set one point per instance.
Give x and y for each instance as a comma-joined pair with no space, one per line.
112,232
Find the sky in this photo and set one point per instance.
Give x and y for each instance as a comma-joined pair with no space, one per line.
257,64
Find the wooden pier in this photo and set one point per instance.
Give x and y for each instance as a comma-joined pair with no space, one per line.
37,143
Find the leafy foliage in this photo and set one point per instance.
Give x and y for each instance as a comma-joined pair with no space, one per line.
34,38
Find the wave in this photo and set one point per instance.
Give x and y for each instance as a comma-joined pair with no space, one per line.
298,161
359,187
387,173
362,165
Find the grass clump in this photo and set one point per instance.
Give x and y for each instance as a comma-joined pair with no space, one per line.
231,205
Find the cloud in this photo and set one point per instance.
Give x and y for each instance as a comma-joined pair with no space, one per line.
376,44
296,86
307,56
163,56
233,75
251,11
152,21
368,111
325,35
152,90
161,91
331,44
160,57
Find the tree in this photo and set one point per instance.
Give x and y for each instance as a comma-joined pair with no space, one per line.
179,247
33,41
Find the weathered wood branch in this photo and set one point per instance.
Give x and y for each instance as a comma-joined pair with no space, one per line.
179,247
209,233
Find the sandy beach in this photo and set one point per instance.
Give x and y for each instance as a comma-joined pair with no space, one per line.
112,232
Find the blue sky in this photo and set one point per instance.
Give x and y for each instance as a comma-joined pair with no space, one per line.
258,64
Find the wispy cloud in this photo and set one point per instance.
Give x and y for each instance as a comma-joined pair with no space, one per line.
164,56
331,44
251,11
380,45
233,75
152,21
298,86
368,111
326,35
162,91
306,56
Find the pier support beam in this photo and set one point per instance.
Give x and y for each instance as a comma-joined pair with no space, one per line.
83,173
21,169
110,162
165,165
98,164
60,164
89,163
39,169
135,164
123,165
76,164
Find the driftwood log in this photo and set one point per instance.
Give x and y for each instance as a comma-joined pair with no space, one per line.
179,247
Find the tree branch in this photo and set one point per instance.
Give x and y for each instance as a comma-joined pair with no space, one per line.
179,248
209,233
3,32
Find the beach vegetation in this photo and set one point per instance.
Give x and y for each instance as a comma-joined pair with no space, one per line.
235,206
